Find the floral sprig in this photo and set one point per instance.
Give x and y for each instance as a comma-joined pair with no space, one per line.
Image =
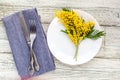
77,28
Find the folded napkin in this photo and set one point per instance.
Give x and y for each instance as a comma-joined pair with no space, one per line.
19,47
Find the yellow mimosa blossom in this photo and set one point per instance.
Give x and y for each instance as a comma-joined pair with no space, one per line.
76,27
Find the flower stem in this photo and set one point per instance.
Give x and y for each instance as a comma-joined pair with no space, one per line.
76,52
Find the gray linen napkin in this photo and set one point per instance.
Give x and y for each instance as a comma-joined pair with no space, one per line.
19,45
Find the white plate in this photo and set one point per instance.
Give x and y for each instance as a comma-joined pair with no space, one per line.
63,49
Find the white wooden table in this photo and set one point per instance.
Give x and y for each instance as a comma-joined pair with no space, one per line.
105,65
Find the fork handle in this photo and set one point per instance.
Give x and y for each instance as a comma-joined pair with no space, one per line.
31,67
36,65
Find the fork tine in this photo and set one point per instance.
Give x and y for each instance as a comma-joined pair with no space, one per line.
32,26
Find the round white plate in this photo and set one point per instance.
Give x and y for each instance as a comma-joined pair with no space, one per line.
64,50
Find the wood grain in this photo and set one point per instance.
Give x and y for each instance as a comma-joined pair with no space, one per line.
61,3
97,68
105,65
105,16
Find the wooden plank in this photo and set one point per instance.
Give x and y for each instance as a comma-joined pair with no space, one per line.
105,52
65,3
110,47
2,31
95,69
113,36
109,52
4,46
105,16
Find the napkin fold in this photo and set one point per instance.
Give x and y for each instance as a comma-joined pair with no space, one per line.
19,47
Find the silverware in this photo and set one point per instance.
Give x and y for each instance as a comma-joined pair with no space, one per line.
32,37
27,36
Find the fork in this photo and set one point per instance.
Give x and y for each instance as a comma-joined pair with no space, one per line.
32,37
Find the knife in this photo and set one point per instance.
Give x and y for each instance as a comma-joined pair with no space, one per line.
27,37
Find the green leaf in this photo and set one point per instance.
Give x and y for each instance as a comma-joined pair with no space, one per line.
66,9
64,31
95,34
